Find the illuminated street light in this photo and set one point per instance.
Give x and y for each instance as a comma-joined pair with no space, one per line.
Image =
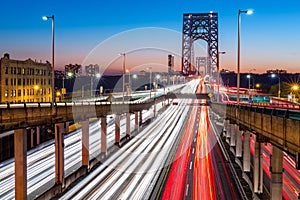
45,18
248,12
295,88
278,75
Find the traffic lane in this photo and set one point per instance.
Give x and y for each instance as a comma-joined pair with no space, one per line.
175,183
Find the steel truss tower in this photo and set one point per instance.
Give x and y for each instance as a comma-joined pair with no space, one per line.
200,26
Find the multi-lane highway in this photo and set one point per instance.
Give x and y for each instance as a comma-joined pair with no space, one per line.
131,173
199,170
40,162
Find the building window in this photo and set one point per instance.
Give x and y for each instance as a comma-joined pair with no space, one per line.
15,93
15,70
19,70
19,81
6,81
49,90
37,81
28,93
6,93
24,82
24,92
11,81
6,70
23,71
19,93
49,81
12,93
15,81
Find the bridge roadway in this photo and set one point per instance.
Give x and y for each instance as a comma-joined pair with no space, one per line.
18,117
280,127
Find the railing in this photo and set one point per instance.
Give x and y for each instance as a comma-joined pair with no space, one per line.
279,126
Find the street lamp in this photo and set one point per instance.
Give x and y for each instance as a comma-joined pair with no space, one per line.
124,56
248,12
294,88
249,77
45,18
278,75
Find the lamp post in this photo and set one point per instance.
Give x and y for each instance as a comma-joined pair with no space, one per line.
248,12
279,89
249,77
53,86
123,77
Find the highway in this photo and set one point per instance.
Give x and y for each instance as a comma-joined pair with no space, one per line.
200,170
131,172
290,176
40,162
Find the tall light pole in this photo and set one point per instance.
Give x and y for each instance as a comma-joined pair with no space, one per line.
278,75
123,73
248,12
53,85
249,77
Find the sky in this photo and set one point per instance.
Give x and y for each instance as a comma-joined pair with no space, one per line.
97,31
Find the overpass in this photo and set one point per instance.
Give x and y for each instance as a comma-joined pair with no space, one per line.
280,127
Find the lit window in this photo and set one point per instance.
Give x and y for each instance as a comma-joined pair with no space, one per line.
6,93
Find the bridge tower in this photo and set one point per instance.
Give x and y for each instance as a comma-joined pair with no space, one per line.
201,62
200,26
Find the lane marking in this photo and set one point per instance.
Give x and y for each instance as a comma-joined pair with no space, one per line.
191,164
187,189
193,151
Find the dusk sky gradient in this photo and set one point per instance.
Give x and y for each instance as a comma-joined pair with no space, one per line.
270,38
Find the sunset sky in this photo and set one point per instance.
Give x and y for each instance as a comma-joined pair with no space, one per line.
97,31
